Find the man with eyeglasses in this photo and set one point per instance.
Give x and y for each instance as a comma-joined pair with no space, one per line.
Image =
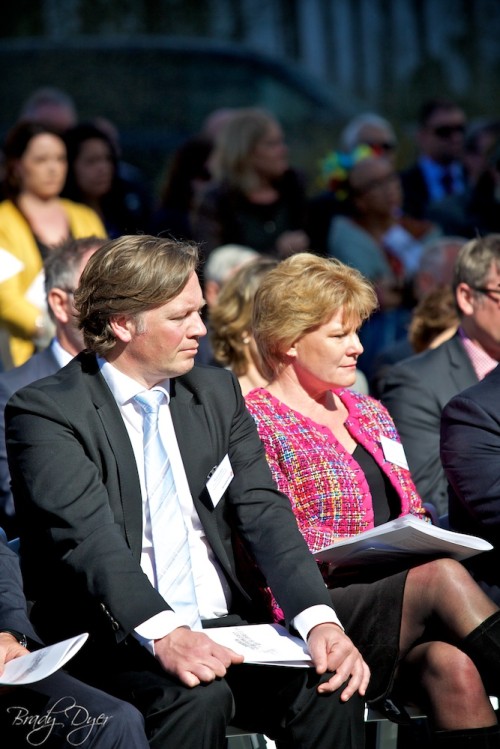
62,270
417,389
438,171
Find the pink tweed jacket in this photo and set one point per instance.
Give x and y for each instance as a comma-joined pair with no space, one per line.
326,486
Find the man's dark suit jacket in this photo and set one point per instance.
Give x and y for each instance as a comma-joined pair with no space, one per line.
415,391
470,452
416,197
415,192
38,366
78,499
12,601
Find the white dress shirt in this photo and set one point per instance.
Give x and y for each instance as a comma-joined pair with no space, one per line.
212,590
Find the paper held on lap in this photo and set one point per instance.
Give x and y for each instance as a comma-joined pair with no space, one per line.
266,644
404,538
41,663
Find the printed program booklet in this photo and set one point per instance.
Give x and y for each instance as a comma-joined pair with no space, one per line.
39,664
267,644
405,538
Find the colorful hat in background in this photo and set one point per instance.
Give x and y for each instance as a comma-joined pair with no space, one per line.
337,165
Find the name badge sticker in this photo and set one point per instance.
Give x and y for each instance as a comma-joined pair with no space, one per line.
394,452
220,480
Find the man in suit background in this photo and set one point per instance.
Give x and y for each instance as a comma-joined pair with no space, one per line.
416,390
470,453
62,270
438,171
57,711
80,455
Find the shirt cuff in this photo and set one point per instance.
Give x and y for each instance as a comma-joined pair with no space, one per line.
157,627
313,616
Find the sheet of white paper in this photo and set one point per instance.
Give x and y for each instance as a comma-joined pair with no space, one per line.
407,536
269,644
41,663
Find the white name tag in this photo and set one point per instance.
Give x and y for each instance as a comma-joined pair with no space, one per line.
394,452
220,480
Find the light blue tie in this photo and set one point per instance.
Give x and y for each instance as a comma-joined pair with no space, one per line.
170,539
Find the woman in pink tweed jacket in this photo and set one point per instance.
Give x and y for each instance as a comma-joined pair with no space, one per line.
331,497
430,629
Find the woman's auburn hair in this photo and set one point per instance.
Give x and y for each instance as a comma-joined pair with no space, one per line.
300,294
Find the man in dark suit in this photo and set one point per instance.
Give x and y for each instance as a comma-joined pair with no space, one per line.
62,270
81,479
58,711
438,171
416,390
470,453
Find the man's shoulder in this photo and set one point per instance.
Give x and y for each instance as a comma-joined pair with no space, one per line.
413,173
36,367
483,393
67,379
203,379
431,358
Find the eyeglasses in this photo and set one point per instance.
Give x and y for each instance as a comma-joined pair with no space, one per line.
387,146
490,293
446,131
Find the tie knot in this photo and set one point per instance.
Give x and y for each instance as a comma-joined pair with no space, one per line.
150,400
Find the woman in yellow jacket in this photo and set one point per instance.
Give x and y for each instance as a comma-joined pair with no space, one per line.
32,220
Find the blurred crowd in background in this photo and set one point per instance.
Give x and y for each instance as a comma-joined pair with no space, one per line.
232,183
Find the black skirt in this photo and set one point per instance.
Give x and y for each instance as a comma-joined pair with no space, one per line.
370,612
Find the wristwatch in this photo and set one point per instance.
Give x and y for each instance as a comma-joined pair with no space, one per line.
20,637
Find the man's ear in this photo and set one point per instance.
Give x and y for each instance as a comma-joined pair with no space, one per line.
466,298
123,327
58,301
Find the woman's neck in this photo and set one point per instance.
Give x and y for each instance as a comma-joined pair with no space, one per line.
307,400
251,379
28,202
263,192
46,216
323,406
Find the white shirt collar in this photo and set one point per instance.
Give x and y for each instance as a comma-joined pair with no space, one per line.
60,354
123,387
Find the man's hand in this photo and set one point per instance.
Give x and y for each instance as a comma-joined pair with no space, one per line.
9,649
193,657
332,650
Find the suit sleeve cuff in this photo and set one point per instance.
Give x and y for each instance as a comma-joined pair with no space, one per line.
157,627
313,616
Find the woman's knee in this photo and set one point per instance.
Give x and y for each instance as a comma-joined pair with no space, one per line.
443,663
437,572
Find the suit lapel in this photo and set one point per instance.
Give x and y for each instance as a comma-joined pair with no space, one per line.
199,451
119,443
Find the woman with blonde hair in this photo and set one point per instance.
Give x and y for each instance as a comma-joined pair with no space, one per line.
230,323
429,634
255,198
